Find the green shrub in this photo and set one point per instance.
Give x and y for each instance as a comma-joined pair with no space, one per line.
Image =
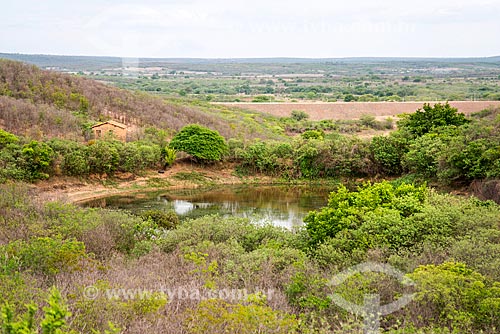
307,156
387,153
429,118
424,154
457,297
37,160
313,134
7,138
130,158
470,159
368,120
12,164
168,155
46,255
76,163
347,210
218,230
258,158
53,322
299,115
308,292
103,157
263,98
200,142
101,231
217,316
168,220
150,155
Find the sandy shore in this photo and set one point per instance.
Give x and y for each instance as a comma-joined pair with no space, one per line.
74,190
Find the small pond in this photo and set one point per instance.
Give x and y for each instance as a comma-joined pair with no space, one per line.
280,205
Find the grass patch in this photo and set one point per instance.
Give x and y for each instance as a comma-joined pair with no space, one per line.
158,182
194,177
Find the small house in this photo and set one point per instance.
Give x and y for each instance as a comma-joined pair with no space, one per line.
110,128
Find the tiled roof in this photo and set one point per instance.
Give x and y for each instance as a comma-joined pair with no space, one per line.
120,125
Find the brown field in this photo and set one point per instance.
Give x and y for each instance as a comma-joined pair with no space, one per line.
354,110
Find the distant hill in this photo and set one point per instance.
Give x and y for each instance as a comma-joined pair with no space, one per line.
94,63
40,103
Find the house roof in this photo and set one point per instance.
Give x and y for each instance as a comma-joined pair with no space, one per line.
120,125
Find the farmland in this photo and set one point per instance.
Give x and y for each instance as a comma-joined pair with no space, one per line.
354,110
292,80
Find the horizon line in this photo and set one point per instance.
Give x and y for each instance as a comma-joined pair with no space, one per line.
256,58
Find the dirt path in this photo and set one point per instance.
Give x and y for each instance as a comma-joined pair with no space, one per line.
73,190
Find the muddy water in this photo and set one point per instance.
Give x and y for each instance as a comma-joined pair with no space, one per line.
280,205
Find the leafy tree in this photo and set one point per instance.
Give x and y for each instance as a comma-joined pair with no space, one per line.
37,159
200,142
387,152
103,157
429,118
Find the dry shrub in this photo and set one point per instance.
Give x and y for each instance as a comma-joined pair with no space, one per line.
34,96
486,189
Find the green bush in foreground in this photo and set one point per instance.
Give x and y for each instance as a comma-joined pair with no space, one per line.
217,316
456,296
448,245
53,322
347,210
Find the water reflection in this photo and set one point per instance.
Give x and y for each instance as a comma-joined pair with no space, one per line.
280,205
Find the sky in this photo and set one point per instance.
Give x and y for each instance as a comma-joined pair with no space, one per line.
252,28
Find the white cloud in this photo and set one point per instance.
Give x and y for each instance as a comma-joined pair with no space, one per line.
223,28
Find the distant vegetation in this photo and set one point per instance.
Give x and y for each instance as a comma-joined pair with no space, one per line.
43,104
266,80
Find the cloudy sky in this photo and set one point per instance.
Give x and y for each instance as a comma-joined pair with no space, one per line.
252,28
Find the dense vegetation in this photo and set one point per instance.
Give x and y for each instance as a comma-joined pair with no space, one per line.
66,269
263,80
31,160
435,143
449,246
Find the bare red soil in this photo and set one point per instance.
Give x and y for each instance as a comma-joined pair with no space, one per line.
354,110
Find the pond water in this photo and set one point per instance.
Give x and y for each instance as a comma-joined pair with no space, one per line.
280,205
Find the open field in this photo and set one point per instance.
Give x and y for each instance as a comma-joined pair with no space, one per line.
354,110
